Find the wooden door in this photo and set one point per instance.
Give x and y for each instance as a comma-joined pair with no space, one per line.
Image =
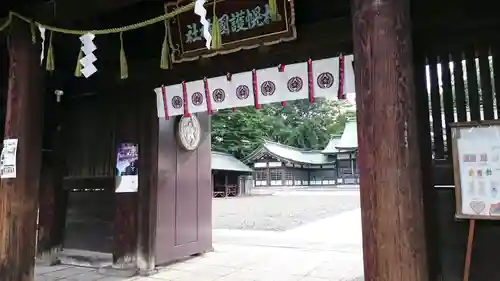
88,160
184,212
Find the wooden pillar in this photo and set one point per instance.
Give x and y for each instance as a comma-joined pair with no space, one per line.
23,121
52,211
226,189
394,243
52,196
125,223
148,179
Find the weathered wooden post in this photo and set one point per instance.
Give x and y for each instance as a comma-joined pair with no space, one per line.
19,196
391,197
52,197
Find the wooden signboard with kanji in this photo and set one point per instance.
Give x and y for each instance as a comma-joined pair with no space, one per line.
243,25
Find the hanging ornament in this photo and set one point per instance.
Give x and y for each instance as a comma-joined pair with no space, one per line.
88,47
50,65
165,50
200,10
78,68
273,10
216,33
123,60
42,35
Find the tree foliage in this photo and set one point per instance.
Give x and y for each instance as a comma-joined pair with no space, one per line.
299,124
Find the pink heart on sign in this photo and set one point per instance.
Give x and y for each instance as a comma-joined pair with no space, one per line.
477,206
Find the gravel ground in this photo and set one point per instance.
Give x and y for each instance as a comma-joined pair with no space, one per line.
280,212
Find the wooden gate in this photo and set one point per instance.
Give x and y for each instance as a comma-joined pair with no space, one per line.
89,174
184,213
456,82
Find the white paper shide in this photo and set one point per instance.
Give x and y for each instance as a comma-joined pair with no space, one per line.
8,159
479,167
200,10
88,48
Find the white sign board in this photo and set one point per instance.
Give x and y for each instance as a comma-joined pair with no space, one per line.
8,159
476,159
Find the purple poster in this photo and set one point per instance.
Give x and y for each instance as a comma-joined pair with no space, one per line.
127,168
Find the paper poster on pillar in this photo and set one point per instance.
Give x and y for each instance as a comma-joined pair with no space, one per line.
8,168
127,169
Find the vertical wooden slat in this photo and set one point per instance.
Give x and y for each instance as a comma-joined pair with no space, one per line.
449,110
496,77
437,124
458,75
424,130
473,90
486,88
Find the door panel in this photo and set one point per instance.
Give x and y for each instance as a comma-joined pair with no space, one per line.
184,218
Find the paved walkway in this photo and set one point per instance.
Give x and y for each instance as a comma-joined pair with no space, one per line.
328,249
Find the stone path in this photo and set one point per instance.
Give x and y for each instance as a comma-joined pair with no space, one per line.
326,249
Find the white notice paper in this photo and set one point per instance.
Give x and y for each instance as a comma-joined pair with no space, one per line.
8,159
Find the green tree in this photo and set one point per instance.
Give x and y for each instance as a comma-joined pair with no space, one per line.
299,124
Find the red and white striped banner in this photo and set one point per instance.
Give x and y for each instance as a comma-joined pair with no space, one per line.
307,80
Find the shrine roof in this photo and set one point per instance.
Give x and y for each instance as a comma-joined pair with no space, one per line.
288,153
349,139
227,162
331,147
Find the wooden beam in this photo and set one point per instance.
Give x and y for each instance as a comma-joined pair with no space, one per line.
148,163
394,243
71,10
291,52
19,196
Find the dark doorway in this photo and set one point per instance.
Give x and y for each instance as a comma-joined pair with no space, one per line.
88,180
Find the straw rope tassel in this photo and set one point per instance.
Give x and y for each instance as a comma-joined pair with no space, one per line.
50,65
123,60
78,68
165,50
273,10
216,35
33,34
